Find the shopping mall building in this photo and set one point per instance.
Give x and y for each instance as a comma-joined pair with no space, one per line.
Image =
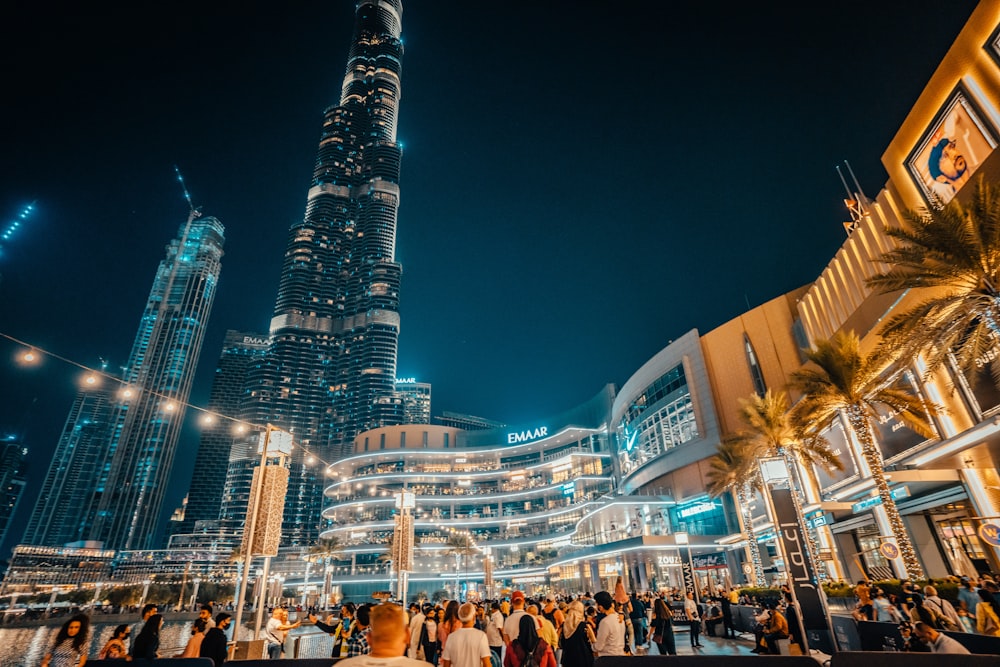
570,502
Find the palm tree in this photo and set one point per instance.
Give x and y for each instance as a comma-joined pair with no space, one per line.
770,431
461,544
323,552
952,252
842,379
734,470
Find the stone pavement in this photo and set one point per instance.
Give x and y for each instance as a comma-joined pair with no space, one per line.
711,645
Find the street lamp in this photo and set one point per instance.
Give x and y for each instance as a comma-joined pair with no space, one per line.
262,540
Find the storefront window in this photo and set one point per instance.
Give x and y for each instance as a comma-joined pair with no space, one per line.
963,547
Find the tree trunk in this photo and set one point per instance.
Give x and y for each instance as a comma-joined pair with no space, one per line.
873,456
743,501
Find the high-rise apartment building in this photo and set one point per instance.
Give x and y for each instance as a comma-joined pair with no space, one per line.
415,398
13,459
157,384
334,334
240,351
64,513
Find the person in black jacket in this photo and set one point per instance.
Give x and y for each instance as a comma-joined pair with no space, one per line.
215,645
147,644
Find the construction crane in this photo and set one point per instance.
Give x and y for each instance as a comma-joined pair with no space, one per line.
195,211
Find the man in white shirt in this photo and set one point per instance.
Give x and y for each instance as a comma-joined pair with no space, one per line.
388,640
467,646
611,631
276,630
416,625
494,629
512,626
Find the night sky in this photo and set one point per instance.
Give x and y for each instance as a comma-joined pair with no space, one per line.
582,182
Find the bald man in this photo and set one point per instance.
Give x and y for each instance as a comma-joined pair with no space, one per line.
388,638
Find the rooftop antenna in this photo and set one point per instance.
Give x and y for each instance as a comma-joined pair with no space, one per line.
195,211
857,203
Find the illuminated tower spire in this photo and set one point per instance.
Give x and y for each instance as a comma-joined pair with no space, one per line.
331,367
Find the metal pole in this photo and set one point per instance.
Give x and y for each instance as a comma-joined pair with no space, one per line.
262,600
248,557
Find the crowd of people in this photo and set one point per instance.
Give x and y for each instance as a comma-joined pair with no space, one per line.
923,615
518,631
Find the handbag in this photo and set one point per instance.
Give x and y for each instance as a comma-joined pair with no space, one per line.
658,632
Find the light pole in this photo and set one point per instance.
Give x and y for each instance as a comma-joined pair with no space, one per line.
402,541
273,443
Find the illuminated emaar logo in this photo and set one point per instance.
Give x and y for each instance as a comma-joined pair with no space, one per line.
630,440
527,436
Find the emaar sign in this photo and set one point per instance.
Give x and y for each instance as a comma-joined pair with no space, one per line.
527,436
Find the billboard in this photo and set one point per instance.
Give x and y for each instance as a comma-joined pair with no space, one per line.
951,150
840,446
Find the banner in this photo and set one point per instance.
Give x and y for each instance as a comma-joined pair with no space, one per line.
688,574
800,570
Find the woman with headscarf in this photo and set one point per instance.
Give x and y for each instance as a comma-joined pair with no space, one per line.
529,644
663,628
576,638
71,644
147,643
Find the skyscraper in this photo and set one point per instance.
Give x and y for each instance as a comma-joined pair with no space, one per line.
66,504
416,400
158,378
335,328
240,351
13,457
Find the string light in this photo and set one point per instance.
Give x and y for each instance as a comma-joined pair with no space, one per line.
93,377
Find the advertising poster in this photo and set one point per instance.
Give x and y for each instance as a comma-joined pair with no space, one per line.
951,150
841,447
801,571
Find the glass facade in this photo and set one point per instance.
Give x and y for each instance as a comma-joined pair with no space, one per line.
204,501
660,418
159,376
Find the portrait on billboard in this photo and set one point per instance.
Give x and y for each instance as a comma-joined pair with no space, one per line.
953,148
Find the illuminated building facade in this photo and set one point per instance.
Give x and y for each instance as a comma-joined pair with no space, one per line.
330,370
64,512
416,400
240,351
157,383
519,491
13,460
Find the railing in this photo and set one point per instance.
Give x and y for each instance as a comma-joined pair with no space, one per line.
305,645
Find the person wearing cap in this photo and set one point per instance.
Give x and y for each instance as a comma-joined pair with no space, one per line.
466,646
948,168
513,623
